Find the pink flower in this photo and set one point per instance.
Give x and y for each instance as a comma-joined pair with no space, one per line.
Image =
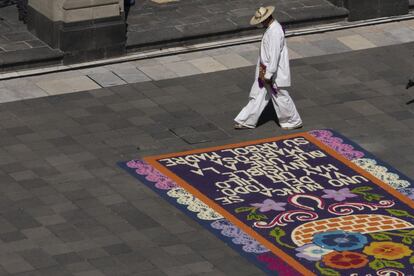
274,263
151,174
339,195
270,204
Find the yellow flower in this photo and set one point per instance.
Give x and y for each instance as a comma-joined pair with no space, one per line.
388,250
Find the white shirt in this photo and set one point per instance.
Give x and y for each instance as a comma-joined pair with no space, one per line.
274,55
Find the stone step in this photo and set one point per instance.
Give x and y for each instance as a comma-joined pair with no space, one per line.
188,21
29,58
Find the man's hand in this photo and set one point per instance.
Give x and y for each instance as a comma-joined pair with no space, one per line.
409,84
263,81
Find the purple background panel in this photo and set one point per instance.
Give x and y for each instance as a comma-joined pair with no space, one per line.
270,175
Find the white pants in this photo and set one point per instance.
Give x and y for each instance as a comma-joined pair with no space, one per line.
258,99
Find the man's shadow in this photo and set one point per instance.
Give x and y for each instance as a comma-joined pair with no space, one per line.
408,86
268,114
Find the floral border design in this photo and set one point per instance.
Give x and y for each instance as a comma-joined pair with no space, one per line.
382,173
238,236
194,204
268,261
327,137
161,181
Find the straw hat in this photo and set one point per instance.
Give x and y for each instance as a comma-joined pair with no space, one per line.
261,15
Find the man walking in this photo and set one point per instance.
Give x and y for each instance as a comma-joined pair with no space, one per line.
271,78
127,7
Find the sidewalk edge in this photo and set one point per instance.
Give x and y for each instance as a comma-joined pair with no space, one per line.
201,46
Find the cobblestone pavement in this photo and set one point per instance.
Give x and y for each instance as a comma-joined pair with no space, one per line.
66,209
194,63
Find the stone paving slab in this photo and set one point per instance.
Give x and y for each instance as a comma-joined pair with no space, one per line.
69,85
66,208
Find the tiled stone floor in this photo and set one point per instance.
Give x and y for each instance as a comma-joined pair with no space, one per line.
65,207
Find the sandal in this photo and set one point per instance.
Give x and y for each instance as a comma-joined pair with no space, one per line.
240,126
293,127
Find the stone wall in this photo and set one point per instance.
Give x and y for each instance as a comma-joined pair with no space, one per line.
83,29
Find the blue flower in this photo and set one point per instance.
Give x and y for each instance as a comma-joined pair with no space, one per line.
312,252
340,240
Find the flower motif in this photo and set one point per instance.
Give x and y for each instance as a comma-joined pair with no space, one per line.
151,174
408,192
340,240
274,263
270,204
339,195
388,250
345,260
193,204
337,144
249,244
382,173
312,252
